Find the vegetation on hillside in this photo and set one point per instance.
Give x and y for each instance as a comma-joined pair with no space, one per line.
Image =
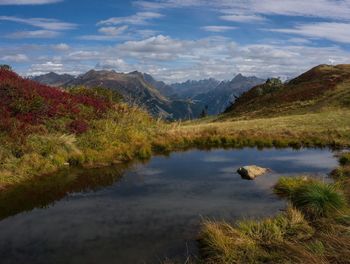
321,87
43,129
312,111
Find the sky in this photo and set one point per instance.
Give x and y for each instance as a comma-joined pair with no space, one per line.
174,40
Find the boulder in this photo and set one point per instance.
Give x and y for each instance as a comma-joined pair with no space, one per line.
251,172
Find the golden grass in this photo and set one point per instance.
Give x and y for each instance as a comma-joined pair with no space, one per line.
326,128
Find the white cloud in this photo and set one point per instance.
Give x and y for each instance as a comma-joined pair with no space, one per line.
176,60
112,31
139,18
28,2
146,33
46,67
338,9
173,60
299,41
44,23
114,64
15,58
338,32
34,34
218,28
243,18
156,48
169,4
84,55
334,9
61,47
99,37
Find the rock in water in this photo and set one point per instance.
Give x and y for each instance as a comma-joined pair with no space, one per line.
251,172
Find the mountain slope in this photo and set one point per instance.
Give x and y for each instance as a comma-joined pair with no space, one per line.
53,79
136,90
162,87
322,86
218,99
191,88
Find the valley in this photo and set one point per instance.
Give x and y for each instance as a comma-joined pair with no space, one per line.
179,101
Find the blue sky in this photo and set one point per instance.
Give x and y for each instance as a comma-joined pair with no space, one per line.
174,40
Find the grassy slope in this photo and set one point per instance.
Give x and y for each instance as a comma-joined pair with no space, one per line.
322,86
311,110
326,128
43,129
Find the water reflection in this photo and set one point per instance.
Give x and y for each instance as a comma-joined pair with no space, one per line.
40,192
142,213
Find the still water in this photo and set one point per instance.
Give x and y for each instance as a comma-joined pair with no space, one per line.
143,213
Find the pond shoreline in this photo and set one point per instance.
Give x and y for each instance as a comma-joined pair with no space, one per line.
193,183
313,228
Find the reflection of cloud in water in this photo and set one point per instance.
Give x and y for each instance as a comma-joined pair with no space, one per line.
216,158
320,161
229,169
149,171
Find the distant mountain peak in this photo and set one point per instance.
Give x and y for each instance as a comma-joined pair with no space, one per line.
53,79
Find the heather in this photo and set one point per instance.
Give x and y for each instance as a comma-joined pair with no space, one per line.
43,129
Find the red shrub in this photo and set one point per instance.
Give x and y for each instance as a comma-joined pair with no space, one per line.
78,126
32,103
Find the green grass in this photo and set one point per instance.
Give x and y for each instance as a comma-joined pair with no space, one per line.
345,159
286,186
319,200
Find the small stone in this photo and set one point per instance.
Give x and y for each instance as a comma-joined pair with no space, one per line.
251,172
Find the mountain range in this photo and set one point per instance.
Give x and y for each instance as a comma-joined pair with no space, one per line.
185,100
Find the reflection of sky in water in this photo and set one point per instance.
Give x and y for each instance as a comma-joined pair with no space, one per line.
316,161
154,209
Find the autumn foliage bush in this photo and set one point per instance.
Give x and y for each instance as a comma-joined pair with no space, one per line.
25,103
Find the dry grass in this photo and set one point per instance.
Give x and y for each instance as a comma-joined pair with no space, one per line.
326,128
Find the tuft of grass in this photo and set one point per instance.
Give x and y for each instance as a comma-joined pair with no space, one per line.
272,240
316,247
265,232
345,159
316,199
286,186
221,243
